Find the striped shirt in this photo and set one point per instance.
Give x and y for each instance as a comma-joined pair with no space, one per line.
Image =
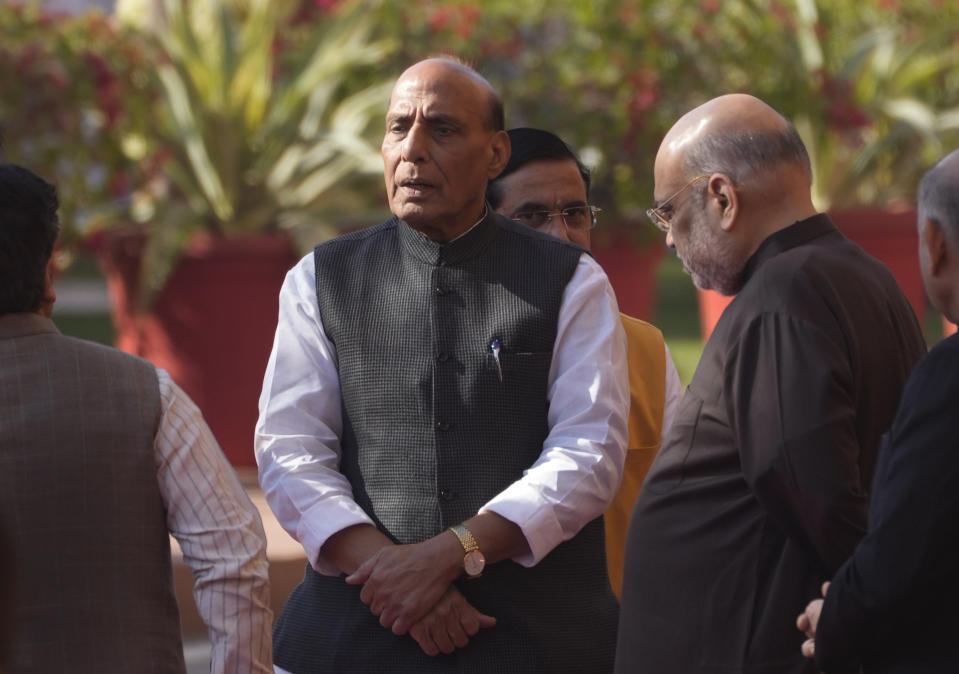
220,533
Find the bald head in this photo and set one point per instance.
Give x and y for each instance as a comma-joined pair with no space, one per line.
737,135
439,67
939,196
728,175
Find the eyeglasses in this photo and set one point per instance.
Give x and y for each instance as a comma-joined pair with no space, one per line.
657,215
575,217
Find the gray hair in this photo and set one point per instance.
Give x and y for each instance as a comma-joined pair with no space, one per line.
939,197
743,154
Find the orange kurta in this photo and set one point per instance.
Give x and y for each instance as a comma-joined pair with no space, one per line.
646,358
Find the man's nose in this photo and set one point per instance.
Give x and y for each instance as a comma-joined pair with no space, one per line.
414,145
556,226
669,239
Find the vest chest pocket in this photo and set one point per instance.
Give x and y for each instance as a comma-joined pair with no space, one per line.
529,368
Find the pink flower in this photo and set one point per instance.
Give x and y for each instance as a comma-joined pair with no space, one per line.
843,113
710,6
440,19
783,15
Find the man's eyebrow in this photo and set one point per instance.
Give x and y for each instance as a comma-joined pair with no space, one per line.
432,119
537,206
398,117
530,206
441,118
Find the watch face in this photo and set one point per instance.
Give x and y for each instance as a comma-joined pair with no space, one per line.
474,563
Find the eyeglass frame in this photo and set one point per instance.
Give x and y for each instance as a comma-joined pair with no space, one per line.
593,210
655,213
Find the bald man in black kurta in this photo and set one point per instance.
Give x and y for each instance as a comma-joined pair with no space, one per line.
760,491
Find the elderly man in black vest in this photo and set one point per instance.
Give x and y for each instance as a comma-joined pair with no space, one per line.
102,457
443,419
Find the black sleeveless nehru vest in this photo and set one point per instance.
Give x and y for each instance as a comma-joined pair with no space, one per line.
433,428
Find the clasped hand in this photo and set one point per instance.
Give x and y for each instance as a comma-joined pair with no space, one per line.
409,588
808,621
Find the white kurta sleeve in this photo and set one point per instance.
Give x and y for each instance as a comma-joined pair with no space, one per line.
297,438
579,470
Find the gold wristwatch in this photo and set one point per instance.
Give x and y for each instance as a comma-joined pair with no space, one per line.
473,561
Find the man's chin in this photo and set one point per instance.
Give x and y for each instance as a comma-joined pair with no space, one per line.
700,281
728,289
412,213
724,284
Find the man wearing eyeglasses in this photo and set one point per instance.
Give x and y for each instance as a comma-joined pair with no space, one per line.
759,492
546,187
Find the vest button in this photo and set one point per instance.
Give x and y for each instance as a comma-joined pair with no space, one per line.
444,425
442,357
440,290
447,494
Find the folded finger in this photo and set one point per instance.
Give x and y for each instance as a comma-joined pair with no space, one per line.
361,575
367,594
421,635
387,618
470,623
457,634
442,639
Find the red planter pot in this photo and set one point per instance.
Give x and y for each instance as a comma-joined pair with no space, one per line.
632,273
711,307
212,325
893,239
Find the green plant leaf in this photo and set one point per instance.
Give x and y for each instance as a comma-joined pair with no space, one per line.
916,114
193,142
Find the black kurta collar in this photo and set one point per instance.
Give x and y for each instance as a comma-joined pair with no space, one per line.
798,233
466,246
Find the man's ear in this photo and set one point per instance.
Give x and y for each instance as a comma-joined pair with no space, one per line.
722,195
934,240
49,294
500,146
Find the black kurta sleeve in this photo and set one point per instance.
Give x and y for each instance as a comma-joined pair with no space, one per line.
898,573
788,389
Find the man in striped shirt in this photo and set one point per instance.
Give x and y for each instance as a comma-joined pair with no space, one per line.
102,456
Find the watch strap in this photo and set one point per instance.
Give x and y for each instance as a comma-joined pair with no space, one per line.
465,537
